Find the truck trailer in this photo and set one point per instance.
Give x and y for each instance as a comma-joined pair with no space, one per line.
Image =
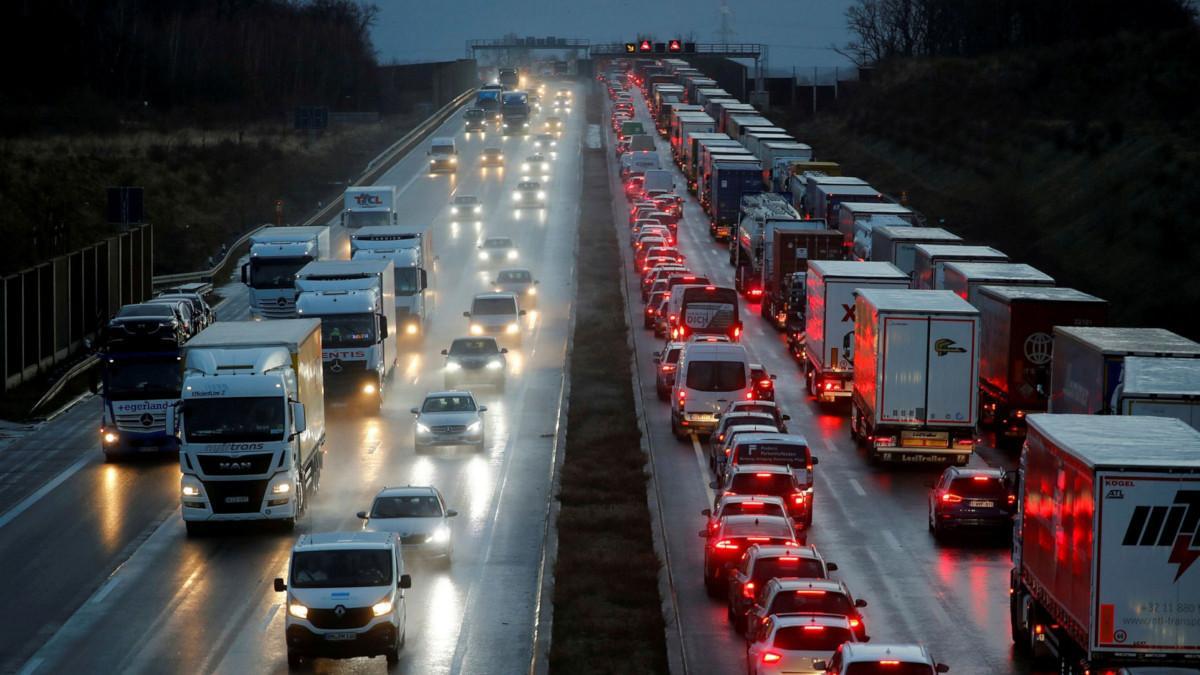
731,179
788,247
1162,387
965,278
929,261
369,205
898,245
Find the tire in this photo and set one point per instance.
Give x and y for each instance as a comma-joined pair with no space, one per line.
393,654
676,430
712,586
294,660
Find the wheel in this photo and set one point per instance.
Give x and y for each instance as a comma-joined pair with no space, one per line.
294,660
712,586
854,423
939,530
676,430
739,624
393,654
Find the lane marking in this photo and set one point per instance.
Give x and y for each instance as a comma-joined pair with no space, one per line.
105,590
891,539
858,487
270,615
704,470
32,499
31,666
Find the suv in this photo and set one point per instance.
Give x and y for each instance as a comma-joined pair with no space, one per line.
497,314
763,563
710,375
794,643
199,306
145,327
666,361
448,418
871,659
964,498
475,360
520,282
764,479
419,515
345,597
767,407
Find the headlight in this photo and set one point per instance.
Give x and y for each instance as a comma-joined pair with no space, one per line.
531,291
431,162
525,166
483,255
440,535
512,328
453,366
411,329
381,608
297,610
494,365
454,160
422,429
190,491
474,426
553,143
368,389
110,437
541,195
516,196
281,488
454,210
512,255
478,209
476,329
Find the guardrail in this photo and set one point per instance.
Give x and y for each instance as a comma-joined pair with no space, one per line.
374,169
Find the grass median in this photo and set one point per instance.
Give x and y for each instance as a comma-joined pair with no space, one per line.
607,611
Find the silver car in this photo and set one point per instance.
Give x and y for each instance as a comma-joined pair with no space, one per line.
448,418
419,515
494,250
519,282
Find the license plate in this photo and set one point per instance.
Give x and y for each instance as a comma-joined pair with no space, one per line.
341,637
981,504
243,499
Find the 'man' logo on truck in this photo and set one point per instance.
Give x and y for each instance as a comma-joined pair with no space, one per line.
368,199
944,346
1177,526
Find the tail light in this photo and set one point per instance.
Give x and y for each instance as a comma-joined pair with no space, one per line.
765,384
798,498
1012,499
755,292
965,442
726,545
749,395
855,623
949,498
981,479
814,627
668,367
763,474
748,589
1020,414
885,441
827,385
771,657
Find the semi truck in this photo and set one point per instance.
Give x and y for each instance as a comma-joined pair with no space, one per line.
829,320
251,421
929,261
704,170
788,247
276,254
965,278
1162,387
1089,363
730,180
690,123
746,244
898,245
694,164
815,183
850,214
514,113
916,365
369,205
777,158
410,248
356,303
1103,545
1017,348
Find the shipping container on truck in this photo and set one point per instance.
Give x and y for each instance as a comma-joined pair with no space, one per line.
753,140
777,158
965,278
1017,348
916,365
1089,363
813,184
929,261
860,248
1162,387
788,247
850,212
746,244
691,152
1104,546
736,122
731,178
829,320
689,123
829,197
711,158
898,245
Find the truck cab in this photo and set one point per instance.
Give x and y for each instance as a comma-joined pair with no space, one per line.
443,155
276,254
410,248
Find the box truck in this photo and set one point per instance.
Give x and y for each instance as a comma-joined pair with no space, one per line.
1104,545
730,180
251,421
965,278
898,245
1089,363
929,261
788,247
916,365
1162,387
829,320
356,303
369,205
276,254
1017,349
410,248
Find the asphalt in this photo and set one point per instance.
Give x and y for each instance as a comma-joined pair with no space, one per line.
98,575
870,520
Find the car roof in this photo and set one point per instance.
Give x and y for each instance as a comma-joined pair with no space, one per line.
493,296
775,550
963,472
407,491
786,584
449,392
755,430
855,652
739,405
811,618
344,540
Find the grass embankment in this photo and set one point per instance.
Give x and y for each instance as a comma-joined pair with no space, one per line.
1080,160
202,187
607,612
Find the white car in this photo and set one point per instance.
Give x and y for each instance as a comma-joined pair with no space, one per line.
529,194
854,657
495,314
497,250
466,205
448,418
345,597
535,165
545,141
520,282
796,643
418,515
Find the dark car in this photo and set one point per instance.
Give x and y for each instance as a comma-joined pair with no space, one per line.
724,546
764,382
788,595
145,327
970,498
764,562
475,360
666,362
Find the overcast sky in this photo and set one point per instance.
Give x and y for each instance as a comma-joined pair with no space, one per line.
797,32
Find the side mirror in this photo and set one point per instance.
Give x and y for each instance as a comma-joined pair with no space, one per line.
785,418
246,274
712,484
774,377
279,585
298,419
942,668
860,603
703,534
865,638
424,280
521,313
405,581
816,460
483,408
536,282
832,567
414,411
450,513
445,352
383,327
819,664
504,350
172,418
706,512
467,314
494,282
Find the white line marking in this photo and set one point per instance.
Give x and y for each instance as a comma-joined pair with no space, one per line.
32,499
270,615
31,666
858,487
704,472
105,590
891,539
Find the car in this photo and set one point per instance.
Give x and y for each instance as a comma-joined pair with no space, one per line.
764,382
665,362
762,479
741,505
497,314
719,440
192,322
970,498
793,643
535,165
633,187
497,250
664,252
754,405
545,141
448,418
790,450
466,205
721,451
710,375
740,417
199,306
475,360
491,157
853,658
419,515
520,282
146,326
553,124
475,120
661,325
763,562
725,544
792,595
648,226
659,275
665,218
345,597
529,194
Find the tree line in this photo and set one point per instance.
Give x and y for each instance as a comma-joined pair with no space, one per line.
884,29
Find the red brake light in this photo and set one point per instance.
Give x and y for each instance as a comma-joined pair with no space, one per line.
758,539
749,395
1012,499
771,657
855,623
792,558
726,544
710,288
753,505
798,498
748,589
762,475
951,498
889,663
755,292
764,383
814,627
981,479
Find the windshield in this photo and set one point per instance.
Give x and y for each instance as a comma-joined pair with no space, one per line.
408,280
767,484
788,566
225,420
157,310
411,506
497,243
143,379
493,306
341,568
441,404
810,601
514,277
443,150
811,638
365,218
471,347
275,272
465,200
769,527
348,330
716,375
890,668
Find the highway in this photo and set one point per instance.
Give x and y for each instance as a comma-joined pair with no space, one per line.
95,556
869,520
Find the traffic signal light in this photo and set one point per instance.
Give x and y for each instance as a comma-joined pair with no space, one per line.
630,47
674,46
645,46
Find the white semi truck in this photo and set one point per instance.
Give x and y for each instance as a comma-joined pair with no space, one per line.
410,248
276,254
369,205
251,421
355,301
1163,387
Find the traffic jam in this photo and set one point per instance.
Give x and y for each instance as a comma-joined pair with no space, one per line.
928,346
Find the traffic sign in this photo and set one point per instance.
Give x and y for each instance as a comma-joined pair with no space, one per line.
630,47
645,46
674,46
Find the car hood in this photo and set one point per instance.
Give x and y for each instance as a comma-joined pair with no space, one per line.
474,359
448,418
328,598
404,526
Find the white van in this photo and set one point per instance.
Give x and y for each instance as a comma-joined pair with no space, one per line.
710,376
496,314
443,156
658,179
